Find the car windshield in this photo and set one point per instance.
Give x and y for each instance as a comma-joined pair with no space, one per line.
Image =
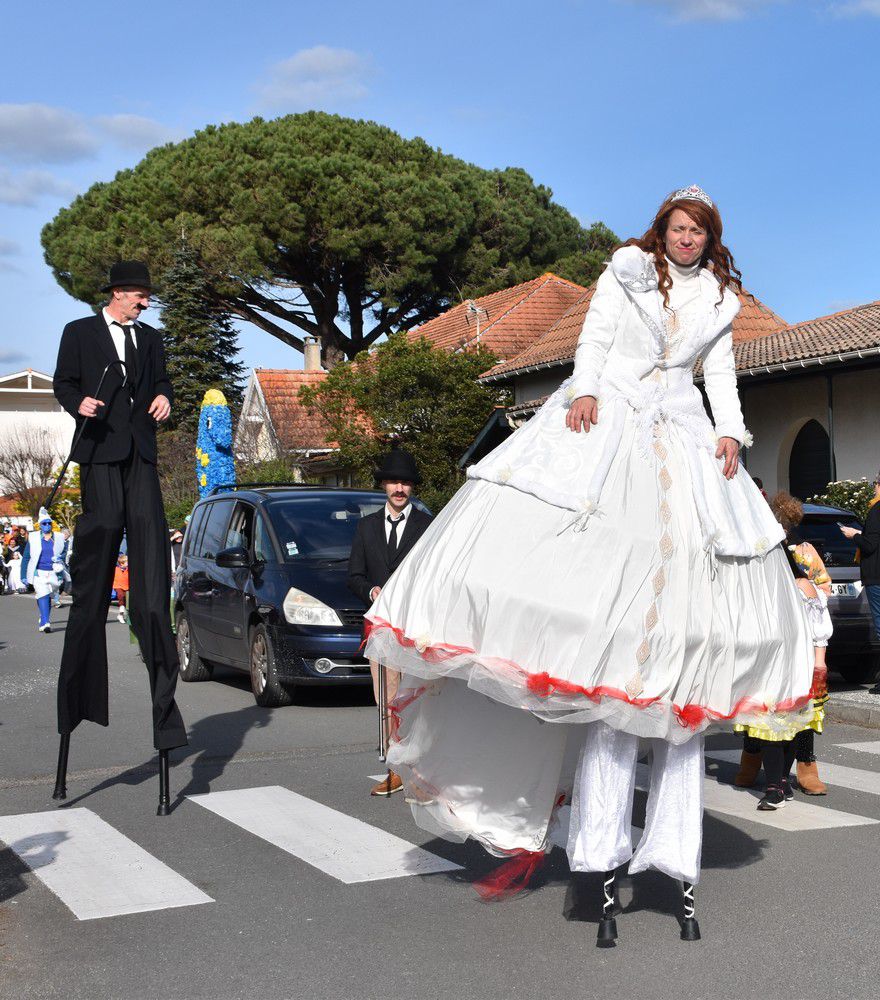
824,532
319,528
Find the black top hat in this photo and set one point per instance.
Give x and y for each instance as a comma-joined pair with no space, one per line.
128,272
398,464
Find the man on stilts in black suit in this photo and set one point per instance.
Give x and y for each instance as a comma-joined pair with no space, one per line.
120,492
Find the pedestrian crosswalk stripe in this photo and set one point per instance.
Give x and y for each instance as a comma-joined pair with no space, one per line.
869,746
339,845
95,870
743,804
855,778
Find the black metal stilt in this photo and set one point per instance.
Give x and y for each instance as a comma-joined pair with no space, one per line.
164,796
607,934
61,774
690,929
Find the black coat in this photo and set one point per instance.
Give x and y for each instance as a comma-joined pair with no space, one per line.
368,564
869,546
86,349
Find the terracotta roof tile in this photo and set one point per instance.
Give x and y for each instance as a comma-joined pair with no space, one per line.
558,344
852,330
516,317
296,427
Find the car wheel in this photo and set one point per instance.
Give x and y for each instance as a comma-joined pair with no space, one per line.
268,691
192,666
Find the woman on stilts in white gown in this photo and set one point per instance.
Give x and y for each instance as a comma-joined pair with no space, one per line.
607,573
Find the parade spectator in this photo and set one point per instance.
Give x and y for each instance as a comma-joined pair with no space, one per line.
814,583
176,538
13,569
381,541
64,581
869,558
120,585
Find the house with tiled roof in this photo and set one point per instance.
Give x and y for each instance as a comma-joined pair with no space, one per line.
275,424
504,322
810,392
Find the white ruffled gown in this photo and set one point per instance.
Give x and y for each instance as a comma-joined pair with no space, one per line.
613,576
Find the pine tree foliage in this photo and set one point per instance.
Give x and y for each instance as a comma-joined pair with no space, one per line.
319,225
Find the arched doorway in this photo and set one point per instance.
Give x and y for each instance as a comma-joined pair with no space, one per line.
810,461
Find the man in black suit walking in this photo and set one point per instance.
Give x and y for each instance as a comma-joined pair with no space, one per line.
120,492
381,542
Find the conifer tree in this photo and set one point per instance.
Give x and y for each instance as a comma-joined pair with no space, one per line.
201,345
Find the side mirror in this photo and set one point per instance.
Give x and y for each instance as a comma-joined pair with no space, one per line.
234,558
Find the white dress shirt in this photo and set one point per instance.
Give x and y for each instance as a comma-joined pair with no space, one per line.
400,518
116,332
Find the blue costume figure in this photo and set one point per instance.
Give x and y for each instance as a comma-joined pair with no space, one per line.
214,462
42,564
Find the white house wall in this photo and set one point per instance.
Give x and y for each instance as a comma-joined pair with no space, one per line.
776,411
536,385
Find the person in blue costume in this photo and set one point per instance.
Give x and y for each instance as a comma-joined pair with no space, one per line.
43,564
214,462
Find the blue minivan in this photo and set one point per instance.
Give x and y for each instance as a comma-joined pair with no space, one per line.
262,587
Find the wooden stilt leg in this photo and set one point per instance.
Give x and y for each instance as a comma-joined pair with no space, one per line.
61,774
690,929
164,796
383,713
607,934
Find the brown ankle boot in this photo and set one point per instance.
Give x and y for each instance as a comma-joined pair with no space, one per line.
749,766
808,779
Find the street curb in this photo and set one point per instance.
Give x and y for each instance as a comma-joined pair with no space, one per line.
854,714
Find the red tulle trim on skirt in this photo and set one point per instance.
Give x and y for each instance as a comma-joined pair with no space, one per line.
543,685
511,877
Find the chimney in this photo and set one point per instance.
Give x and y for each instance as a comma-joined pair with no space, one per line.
312,355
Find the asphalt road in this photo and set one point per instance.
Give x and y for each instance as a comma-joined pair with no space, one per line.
784,914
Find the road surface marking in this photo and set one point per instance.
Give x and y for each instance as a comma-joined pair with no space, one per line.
743,804
870,746
834,774
339,845
95,870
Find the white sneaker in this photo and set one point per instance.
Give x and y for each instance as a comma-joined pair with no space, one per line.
45,628
121,618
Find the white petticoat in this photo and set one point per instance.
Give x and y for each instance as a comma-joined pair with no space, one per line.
510,613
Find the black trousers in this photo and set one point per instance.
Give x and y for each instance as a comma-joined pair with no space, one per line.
120,496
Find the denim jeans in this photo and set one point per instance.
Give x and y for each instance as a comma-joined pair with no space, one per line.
872,592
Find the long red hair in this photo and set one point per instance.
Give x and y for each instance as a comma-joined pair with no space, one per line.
716,256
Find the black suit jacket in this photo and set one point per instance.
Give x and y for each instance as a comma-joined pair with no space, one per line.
86,349
368,564
869,546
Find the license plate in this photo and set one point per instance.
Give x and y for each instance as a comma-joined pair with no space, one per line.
846,589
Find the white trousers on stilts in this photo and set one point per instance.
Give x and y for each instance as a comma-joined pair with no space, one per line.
600,834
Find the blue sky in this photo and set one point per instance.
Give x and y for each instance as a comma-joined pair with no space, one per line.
771,105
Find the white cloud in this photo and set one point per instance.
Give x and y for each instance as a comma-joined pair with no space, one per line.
710,10
12,358
29,186
38,133
316,78
855,8
135,131
8,250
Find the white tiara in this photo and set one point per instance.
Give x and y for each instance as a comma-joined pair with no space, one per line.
694,193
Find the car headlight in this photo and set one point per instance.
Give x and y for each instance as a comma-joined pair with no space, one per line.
301,608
